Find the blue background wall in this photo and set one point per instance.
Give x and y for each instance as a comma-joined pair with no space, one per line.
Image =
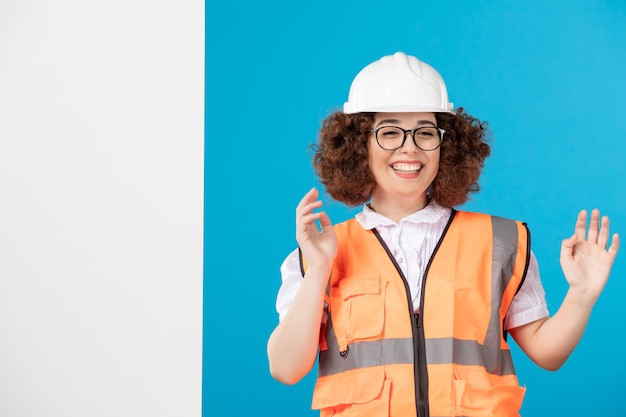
548,77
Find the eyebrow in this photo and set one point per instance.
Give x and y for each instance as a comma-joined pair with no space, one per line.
396,121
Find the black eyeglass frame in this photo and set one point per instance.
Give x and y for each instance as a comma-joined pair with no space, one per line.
413,131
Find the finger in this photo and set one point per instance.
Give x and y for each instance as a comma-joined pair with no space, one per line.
309,202
603,237
309,219
308,208
306,225
614,245
594,225
581,225
310,196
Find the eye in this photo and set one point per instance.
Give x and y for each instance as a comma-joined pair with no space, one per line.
427,133
390,133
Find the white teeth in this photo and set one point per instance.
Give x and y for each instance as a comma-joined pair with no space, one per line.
407,168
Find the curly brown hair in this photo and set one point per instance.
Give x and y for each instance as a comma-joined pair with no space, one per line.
340,157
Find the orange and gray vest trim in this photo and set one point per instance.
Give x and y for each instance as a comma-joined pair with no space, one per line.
378,358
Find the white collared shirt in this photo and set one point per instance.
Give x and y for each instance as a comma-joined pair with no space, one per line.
412,242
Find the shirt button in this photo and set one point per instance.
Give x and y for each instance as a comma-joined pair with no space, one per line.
400,260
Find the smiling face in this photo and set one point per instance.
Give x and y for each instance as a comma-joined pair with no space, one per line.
403,175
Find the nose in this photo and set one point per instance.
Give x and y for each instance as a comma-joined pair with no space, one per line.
409,145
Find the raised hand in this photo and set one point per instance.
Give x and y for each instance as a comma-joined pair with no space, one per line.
585,259
319,247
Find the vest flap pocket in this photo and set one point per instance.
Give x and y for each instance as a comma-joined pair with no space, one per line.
496,401
359,285
361,315
357,386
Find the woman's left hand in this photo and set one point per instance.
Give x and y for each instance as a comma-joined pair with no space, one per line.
585,259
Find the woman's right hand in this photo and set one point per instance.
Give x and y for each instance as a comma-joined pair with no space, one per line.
319,247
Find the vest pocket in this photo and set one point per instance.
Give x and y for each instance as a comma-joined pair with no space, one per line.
364,297
495,401
355,392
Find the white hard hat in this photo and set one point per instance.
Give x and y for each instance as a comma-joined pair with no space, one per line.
398,83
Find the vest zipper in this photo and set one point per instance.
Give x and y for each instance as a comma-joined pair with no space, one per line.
423,409
419,343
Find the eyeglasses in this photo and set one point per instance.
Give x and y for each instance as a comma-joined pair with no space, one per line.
391,138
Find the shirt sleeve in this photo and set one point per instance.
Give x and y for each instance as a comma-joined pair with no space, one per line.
529,304
291,280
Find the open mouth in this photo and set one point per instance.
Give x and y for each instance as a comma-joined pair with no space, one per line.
405,168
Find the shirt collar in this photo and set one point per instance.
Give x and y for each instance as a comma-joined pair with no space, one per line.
430,214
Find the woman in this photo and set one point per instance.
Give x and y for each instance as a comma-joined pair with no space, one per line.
410,303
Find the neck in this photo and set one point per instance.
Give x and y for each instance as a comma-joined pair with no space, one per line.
397,209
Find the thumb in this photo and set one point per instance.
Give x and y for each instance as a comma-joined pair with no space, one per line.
567,246
325,222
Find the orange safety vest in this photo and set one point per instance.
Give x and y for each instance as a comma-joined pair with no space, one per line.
379,358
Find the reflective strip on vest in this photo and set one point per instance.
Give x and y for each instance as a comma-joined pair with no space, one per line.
398,351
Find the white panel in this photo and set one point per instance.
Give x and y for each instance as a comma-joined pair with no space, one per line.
101,188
